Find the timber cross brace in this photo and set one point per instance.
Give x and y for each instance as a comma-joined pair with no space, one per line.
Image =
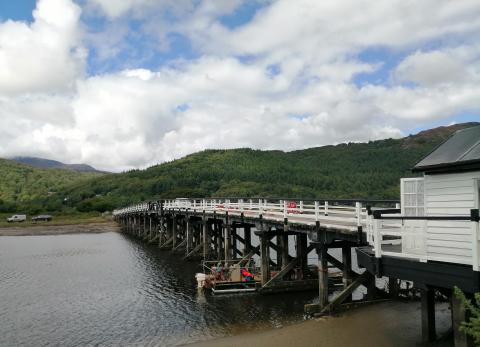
221,231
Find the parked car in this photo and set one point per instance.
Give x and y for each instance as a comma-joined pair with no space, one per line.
42,218
17,218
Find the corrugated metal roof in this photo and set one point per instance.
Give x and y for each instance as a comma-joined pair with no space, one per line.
460,149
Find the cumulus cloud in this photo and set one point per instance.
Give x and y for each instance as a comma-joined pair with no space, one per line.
431,68
44,56
283,80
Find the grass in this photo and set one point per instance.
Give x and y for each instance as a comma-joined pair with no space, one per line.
61,219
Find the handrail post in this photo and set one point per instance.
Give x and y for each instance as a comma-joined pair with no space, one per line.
284,208
317,211
475,218
260,207
358,207
377,238
301,205
325,208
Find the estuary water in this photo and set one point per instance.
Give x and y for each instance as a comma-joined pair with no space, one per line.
111,290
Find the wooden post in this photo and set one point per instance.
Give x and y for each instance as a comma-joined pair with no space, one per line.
301,254
265,257
284,257
174,231
393,287
278,252
162,236
347,265
322,275
228,240
247,236
264,253
139,226
189,236
206,238
144,225
428,315
371,287
233,242
150,233
218,232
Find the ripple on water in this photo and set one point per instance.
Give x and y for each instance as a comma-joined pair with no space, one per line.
110,290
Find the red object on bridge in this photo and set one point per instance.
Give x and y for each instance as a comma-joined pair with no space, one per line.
291,207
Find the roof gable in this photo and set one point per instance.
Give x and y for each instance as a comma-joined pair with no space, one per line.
460,152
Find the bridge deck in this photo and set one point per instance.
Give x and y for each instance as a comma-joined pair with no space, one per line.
332,221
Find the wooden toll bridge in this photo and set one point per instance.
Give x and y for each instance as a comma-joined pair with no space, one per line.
223,229
430,238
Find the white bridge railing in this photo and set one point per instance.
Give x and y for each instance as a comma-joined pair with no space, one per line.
340,214
453,239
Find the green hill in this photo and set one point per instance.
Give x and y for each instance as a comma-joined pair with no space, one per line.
22,185
355,170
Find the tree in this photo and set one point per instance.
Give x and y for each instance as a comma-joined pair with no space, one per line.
472,327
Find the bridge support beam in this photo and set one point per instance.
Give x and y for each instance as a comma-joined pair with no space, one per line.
428,315
284,256
322,275
265,257
301,246
227,232
206,237
174,231
189,229
347,266
218,239
247,237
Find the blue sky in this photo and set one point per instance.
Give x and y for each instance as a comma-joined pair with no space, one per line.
17,10
102,81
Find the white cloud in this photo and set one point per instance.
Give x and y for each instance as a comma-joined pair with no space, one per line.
45,56
431,68
282,81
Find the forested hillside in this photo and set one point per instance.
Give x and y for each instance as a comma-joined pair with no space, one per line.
355,170
22,185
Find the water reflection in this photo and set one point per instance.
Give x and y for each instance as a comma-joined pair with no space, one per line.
110,290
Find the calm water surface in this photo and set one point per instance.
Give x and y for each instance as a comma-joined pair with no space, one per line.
111,290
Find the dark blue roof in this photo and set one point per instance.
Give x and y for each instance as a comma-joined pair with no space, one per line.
460,152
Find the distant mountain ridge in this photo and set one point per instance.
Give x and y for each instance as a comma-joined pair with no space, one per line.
54,164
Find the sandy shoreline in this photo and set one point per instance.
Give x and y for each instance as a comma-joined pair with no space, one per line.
90,228
384,324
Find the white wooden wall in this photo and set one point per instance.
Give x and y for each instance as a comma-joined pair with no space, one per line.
450,194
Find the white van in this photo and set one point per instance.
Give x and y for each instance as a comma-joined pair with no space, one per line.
17,218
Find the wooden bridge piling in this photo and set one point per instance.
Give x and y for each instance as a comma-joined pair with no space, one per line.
217,234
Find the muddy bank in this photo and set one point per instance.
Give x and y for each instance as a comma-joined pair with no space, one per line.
92,228
385,324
